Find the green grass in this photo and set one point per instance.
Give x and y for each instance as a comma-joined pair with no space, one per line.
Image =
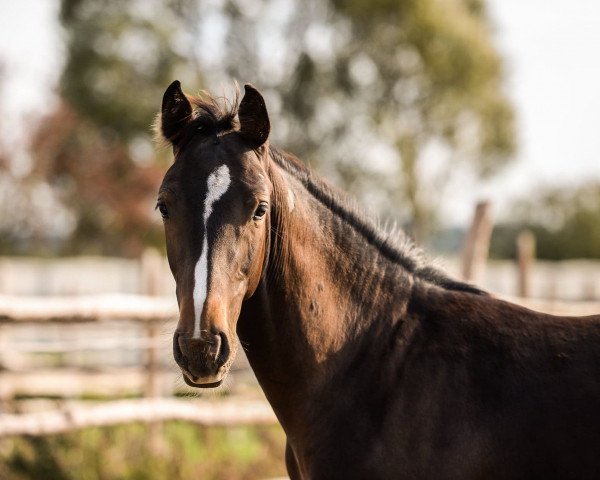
178,451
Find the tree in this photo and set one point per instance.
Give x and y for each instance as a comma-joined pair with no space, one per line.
94,174
31,219
565,222
364,90
438,79
371,91
119,57
95,149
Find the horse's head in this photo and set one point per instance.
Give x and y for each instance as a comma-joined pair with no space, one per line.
214,200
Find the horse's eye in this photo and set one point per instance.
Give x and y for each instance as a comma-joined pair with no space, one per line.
260,210
162,208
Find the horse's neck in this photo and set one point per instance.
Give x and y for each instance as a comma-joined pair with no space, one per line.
325,287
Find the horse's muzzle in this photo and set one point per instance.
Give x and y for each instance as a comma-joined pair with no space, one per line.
202,360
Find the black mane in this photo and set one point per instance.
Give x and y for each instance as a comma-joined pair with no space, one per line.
396,247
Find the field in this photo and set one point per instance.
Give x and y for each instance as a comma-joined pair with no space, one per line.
125,453
118,349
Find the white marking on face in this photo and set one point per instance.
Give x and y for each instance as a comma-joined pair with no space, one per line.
291,200
218,183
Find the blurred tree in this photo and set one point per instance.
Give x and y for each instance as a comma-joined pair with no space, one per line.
95,149
389,97
120,55
438,83
93,173
38,220
565,222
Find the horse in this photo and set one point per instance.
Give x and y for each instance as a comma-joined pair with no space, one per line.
377,364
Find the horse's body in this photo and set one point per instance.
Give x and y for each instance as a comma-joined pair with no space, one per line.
376,365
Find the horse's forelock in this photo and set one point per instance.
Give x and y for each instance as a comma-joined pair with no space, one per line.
214,115
211,116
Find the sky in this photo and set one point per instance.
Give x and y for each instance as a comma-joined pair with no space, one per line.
552,76
550,51
31,53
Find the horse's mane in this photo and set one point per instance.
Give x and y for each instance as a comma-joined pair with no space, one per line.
395,245
215,115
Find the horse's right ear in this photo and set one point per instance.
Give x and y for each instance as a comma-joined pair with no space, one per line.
175,113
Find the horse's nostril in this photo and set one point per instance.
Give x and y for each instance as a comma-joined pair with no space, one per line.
222,354
177,349
202,356
216,346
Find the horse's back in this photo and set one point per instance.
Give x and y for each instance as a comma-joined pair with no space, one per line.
473,388
490,389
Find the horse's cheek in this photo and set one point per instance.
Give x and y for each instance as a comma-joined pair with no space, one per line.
256,254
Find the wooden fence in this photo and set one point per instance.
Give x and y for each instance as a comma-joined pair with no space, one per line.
134,357
569,280
155,382
150,312
76,416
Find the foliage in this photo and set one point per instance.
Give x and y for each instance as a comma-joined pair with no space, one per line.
388,99
94,173
95,149
120,55
438,79
37,220
565,222
125,453
371,91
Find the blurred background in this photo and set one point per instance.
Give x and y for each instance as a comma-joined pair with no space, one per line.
471,123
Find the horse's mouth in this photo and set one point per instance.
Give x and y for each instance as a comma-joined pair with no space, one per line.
197,383
211,380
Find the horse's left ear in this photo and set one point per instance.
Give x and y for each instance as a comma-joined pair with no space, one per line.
254,119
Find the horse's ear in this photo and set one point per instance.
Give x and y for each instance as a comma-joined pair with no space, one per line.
254,119
175,113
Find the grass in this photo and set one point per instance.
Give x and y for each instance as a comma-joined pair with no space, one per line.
173,450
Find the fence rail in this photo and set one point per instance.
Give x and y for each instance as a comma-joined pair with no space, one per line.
86,308
556,307
144,308
149,377
77,416
150,274
72,383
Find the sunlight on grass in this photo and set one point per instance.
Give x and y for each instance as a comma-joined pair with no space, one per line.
140,452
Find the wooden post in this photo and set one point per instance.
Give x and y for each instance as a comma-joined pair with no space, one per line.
477,243
150,271
152,389
525,259
589,289
5,397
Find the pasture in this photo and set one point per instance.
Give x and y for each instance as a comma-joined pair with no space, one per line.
88,387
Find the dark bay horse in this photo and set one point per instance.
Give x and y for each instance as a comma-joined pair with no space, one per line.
377,365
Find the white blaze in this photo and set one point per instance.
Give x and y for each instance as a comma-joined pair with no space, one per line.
218,183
